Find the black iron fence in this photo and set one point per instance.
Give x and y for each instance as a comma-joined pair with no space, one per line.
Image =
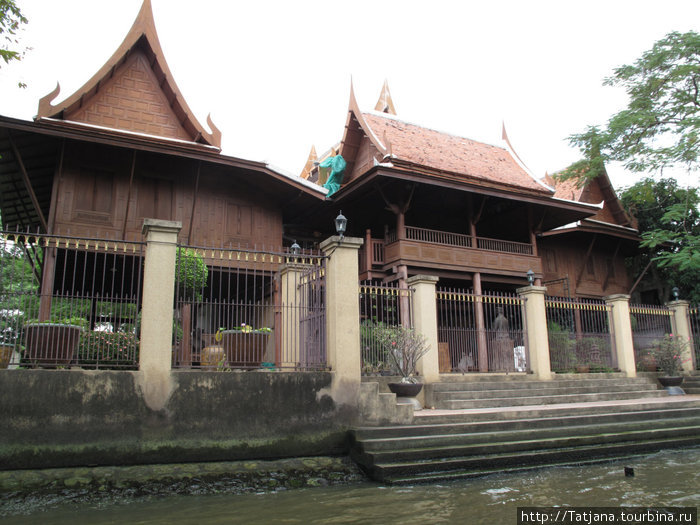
249,309
69,302
382,306
650,323
480,332
579,334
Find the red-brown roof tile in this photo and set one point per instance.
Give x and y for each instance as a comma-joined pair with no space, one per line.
442,151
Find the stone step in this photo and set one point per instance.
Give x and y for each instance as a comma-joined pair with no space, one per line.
455,475
691,384
525,423
480,441
526,384
440,467
455,444
438,396
555,411
456,404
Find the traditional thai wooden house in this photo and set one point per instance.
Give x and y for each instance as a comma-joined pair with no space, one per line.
125,147
432,203
586,258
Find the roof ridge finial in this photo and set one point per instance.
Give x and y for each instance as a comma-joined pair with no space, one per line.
385,104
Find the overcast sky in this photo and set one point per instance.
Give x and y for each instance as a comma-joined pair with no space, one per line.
275,75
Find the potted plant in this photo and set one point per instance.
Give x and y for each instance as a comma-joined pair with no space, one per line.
668,352
53,342
244,346
191,274
404,347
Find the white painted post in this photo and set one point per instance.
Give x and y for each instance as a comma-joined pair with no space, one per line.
681,328
622,331
535,321
343,317
155,356
425,323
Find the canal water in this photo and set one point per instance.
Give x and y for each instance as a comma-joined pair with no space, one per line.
668,478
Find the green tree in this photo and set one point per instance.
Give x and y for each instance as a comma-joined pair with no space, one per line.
661,125
659,128
11,21
669,222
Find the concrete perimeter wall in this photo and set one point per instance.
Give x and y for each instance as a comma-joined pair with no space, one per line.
60,418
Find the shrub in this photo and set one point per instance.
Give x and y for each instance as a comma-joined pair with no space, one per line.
190,274
405,347
109,349
668,352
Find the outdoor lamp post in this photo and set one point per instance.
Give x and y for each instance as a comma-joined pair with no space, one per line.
341,223
676,292
530,277
295,248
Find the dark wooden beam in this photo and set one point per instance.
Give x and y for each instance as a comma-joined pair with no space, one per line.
586,259
477,217
27,182
641,275
128,194
607,275
194,201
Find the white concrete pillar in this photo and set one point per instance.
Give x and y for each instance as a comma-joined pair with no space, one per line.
681,327
155,356
622,333
343,317
535,321
425,323
290,348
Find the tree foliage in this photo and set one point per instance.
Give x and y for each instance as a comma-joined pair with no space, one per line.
669,222
661,125
11,21
659,128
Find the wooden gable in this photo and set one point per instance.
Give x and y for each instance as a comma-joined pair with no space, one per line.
134,91
131,100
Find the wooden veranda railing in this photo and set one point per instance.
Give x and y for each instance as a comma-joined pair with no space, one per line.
462,241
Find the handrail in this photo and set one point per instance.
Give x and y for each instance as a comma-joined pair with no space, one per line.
463,241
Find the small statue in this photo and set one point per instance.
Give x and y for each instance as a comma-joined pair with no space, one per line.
500,325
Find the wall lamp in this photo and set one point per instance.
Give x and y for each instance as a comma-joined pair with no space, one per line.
295,248
531,277
341,223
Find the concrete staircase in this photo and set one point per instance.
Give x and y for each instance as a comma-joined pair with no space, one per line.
691,384
524,425
487,392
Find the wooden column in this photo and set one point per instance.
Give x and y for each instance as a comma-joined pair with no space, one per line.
400,225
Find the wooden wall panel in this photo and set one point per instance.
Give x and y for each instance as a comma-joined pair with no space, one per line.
93,198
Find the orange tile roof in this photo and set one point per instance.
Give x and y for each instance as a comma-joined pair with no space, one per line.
442,151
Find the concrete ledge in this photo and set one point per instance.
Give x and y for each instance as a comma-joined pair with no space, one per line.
224,477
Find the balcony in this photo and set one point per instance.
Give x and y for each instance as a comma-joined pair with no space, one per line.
442,250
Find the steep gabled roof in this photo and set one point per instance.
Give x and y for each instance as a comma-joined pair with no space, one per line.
409,146
593,192
443,152
134,91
